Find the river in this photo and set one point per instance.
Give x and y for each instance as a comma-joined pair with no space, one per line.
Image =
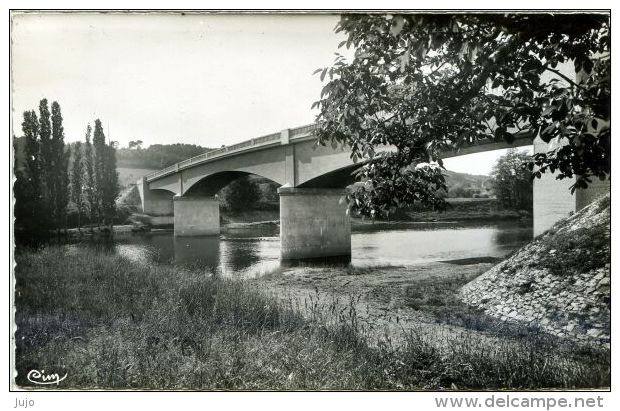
255,251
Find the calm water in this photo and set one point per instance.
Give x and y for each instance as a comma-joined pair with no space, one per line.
251,252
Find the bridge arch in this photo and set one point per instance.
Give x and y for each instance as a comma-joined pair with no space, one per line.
211,184
313,216
339,178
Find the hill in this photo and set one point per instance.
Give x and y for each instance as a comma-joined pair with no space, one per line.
157,156
463,185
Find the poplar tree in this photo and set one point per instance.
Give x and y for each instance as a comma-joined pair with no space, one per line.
60,164
110,184
99,167
89,186
30,127
63,186
46,163
30,220
77,181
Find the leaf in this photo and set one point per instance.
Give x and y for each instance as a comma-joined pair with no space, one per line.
499,133
404,61
316,71
323,74
398,23
548,130
548,111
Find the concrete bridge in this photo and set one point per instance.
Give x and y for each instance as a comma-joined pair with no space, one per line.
313,219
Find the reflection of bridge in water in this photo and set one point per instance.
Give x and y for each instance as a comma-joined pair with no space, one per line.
313,219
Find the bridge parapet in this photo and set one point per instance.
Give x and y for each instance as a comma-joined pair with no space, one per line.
303,133
296,134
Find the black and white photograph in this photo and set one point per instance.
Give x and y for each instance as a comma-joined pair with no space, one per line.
312,200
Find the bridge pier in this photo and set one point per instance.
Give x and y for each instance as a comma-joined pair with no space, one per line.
154,202
195,216
313,223
553,199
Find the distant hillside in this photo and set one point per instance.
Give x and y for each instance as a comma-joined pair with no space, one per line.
129,175
467,185
157,156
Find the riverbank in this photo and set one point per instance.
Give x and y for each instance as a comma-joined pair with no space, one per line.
109,322
465,210
459,210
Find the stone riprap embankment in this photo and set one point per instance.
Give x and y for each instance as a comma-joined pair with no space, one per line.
559,282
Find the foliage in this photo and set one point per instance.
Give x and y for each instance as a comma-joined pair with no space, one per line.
241,194
137,144
106,176
31,217
44,185
431,83
157,156
77,180
463,185
46,159
99,148
111,187
462,191
41,165
59,179
512,180
90,188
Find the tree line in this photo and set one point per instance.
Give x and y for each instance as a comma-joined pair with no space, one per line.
156,156
512,180
49,175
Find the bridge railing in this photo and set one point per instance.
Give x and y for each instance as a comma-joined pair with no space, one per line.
160,173
302,130
266,140
270,139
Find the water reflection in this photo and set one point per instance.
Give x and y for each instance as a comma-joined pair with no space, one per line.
338,261
255,251
197,251
510,238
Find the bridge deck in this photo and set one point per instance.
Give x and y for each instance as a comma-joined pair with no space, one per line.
307,132
295,134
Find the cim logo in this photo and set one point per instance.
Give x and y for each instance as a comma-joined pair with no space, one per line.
39,377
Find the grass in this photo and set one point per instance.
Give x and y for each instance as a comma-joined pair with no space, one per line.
110,323
576,251
438,297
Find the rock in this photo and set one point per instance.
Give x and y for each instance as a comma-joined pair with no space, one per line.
522,290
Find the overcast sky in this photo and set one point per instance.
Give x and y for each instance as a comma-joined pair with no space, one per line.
199,79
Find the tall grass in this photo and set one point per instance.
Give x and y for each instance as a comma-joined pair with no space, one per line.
110,323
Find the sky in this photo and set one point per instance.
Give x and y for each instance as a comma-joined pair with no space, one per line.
201,79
